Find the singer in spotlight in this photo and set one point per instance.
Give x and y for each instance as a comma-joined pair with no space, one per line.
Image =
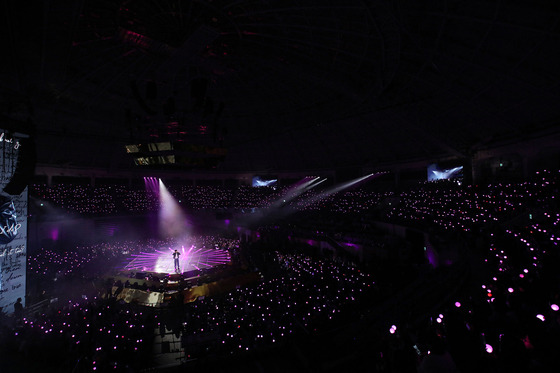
176,255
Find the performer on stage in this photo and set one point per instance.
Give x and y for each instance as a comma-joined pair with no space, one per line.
176,255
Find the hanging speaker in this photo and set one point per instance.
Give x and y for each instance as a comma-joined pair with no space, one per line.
25,168
208,107
169,106
138,96
199,87
198,92
151,90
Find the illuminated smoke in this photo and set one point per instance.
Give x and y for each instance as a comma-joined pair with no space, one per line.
172,222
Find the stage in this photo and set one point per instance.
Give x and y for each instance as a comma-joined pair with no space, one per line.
191,258
205,265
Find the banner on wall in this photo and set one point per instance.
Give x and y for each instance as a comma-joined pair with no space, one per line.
13,226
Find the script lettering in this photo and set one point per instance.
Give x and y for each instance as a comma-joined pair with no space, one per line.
9,141
13,255
10,229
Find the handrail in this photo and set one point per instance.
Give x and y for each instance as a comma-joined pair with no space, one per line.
36,306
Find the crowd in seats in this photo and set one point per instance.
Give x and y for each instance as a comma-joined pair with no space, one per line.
195,198
297,295
503,318
507,316
65,262
452,206
81,336
442,202
114,200
88,200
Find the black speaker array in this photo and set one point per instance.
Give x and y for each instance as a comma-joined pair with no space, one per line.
25,168
151,90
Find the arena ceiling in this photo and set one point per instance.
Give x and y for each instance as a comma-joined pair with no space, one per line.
280,85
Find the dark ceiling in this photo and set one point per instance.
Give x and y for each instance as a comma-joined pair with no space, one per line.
282,85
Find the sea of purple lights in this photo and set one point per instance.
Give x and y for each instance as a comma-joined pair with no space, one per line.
512,319
69,261
107,200
96,334
520,247
520,305
311,295
453,207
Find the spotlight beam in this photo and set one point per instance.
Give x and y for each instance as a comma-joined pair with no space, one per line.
294,191
336,188
172,220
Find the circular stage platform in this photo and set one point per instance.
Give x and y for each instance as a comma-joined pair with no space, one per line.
191,258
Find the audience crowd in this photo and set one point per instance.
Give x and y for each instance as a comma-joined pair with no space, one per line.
115,200
503,316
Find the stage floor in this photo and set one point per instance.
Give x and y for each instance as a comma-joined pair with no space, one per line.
161,260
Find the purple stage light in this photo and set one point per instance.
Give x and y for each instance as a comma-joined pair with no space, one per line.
152,185
54,233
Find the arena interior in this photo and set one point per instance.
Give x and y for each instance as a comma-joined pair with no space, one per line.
280,186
